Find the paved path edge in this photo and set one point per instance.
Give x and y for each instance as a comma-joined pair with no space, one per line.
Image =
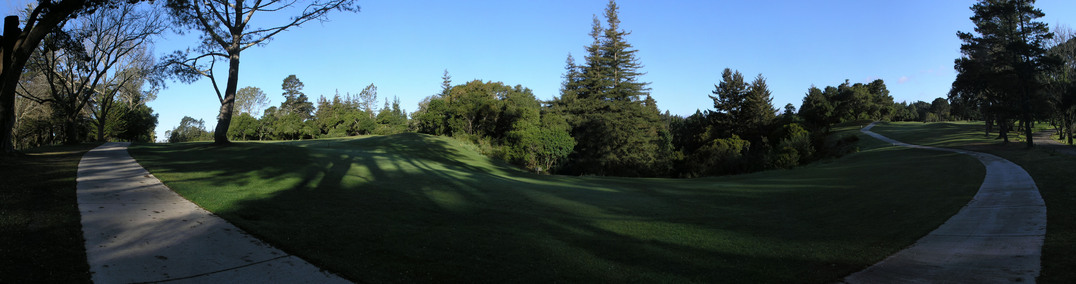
137,230
996,238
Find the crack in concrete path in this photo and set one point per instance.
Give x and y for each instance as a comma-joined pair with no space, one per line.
995,238
139,231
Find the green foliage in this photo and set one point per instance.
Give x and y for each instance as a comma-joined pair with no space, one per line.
244,127
1002,64
188,130
718,157
794,147
847,102
507,122
540,147
614,121
391,120
138,123
295,102
817,109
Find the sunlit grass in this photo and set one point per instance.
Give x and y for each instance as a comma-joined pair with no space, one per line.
418,208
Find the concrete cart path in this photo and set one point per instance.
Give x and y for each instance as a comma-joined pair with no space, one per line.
996,238
138,230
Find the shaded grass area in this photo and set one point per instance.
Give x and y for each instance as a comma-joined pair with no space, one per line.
419,208
40,230
1053,174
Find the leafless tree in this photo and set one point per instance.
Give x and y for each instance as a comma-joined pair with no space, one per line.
107,52
17,44
225,32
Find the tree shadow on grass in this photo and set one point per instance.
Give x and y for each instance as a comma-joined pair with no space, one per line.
415,208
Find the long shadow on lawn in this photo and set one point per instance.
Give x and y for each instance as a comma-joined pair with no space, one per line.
413,208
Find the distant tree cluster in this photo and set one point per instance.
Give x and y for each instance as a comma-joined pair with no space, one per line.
937,110
297,118
606,123
510,120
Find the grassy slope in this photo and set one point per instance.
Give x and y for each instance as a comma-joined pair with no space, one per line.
1053,173
40,232
417,208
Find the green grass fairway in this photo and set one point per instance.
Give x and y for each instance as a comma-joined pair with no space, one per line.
1053,174
419,208
40,231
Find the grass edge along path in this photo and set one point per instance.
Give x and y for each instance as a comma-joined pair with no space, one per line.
419,208
40,230
997,237
1051,171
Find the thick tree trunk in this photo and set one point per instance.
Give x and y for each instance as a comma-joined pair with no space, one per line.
989,124
1068,127
18,45
224,120
1027,123
8,79
1003,130
71,130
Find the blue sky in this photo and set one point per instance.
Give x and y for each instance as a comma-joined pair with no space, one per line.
403,47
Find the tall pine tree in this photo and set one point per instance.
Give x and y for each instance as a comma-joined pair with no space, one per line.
618,129
1010,44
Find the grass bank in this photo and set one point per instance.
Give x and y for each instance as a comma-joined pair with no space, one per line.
1053,174
40,230
418,208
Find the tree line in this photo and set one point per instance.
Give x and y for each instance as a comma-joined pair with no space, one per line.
297,117
603,122
89,81
80,70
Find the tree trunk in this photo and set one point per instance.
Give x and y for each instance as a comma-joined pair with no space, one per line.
1068,128
71,130
1003,130
989,124
17,46
1027,126
100,131
9,72
224,120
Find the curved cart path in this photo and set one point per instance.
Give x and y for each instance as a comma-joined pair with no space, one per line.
996,238
138,230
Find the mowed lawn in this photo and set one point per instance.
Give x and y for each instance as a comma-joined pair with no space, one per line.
419,208
1054,174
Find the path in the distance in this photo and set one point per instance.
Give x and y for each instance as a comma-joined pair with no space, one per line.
137,230
996,238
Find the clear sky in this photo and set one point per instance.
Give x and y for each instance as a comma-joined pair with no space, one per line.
403,47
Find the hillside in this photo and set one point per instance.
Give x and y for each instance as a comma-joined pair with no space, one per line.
419,208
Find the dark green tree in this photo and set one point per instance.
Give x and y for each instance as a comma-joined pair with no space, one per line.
617,131
1009,44
295,102
391,119
188,130
940,107
817,109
